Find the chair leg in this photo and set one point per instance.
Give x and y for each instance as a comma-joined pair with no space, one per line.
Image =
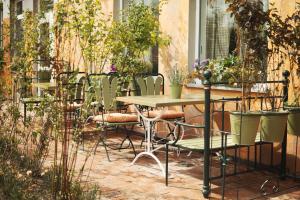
121,145
130,141
104,145
170,132
106,150
167,163
143,140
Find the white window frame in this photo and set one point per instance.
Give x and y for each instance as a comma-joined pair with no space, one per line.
198,40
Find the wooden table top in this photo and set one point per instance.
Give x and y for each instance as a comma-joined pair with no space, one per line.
164,100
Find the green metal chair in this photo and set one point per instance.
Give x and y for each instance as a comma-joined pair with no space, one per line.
154,85
149,86
70,90
25,90
108,119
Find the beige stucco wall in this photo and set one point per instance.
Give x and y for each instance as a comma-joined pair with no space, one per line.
174,22
286,8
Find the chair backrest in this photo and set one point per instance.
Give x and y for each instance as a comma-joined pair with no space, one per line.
80,85
72,83
150,85
94,86
109,92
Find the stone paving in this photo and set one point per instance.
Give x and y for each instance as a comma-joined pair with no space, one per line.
121,181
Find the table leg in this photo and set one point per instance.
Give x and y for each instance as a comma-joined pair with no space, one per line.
148,148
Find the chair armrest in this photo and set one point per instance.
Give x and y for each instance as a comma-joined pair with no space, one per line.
222,132
180,134
189,125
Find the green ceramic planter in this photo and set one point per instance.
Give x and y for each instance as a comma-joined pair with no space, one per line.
273,125
175,91
244,127
293,125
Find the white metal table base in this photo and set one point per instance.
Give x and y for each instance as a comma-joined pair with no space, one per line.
148,146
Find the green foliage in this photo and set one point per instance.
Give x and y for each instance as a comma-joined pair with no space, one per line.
265,34
130,39
284,35
1,59
225,69
18,181
252,21
27,47
16,178
91,27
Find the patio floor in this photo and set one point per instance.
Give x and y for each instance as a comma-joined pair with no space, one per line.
119,180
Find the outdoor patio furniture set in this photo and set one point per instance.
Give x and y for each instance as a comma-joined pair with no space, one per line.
110,112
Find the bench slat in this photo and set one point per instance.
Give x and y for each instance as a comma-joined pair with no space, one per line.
215,143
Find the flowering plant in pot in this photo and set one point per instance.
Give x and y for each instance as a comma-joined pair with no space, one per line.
199,67
223,69
177,78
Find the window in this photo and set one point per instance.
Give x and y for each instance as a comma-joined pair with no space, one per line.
221,39
18,22
211,30
19,7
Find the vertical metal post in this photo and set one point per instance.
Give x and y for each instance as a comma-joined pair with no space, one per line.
222,135
286,75
206,175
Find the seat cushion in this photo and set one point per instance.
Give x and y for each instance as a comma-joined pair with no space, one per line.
116,118
167,114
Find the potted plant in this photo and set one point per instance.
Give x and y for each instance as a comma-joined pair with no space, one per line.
273,125
225,70
177,78
244,126
251,20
